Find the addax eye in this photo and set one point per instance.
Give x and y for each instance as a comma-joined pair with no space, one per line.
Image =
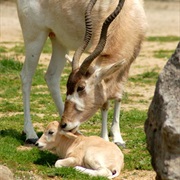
80,88
51,132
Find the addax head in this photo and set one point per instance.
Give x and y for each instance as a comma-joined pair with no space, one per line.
85,89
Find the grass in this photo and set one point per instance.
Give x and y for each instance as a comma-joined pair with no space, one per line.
9,65
3,49
165,54
19,49
39,163
42,163
163,38
149,77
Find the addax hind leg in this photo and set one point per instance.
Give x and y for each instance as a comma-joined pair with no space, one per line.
33,48
54,71
115,128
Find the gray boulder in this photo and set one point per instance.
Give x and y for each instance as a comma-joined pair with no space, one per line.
162,126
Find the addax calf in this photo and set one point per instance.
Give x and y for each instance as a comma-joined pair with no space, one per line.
91,155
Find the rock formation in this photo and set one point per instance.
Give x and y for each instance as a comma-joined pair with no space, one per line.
162,126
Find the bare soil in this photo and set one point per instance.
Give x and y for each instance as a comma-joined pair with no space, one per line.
164,20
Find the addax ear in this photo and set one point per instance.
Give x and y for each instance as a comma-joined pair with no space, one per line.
106,71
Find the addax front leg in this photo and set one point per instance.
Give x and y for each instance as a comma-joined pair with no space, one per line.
33,49
115,128
104,128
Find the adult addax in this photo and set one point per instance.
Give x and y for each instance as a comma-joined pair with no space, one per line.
101,80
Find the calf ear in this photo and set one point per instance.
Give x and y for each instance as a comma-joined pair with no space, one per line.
103,73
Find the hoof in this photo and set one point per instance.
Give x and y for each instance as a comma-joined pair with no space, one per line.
31,141
123,145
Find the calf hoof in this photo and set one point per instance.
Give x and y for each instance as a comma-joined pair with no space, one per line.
123,145
31,141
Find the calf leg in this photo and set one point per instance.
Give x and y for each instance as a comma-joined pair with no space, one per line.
68,162
98,172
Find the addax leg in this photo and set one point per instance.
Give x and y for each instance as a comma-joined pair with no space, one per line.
104,114
33,48
115,128
54,71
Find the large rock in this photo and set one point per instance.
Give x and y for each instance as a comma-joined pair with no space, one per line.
162,126
5,173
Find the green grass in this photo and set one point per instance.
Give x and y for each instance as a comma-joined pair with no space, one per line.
149,77
9,65
3,49
165,54
163,38
41,163
132,127
19,49
47,48
21,162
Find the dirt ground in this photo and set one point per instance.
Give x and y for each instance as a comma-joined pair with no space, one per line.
163,19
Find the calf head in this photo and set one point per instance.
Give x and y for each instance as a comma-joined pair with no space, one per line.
49,139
